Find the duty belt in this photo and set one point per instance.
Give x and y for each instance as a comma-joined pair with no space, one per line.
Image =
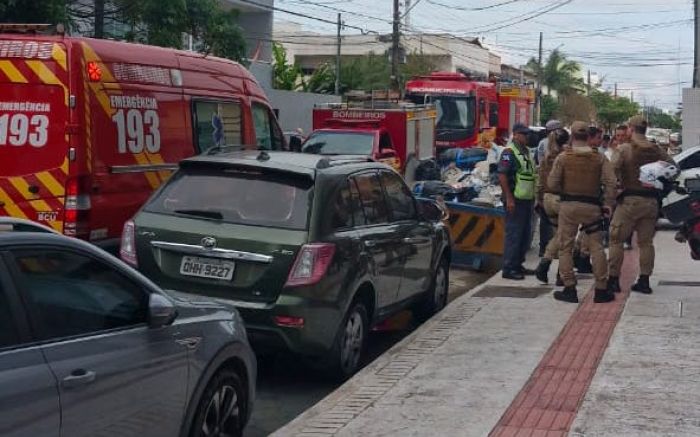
639,193
585,199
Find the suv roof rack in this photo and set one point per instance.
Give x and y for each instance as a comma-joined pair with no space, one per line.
13,224
329,161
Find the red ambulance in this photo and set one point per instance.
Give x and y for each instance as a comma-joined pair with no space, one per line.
89,128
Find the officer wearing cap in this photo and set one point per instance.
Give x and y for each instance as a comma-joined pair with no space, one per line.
637,208
516,174
550,127
579,175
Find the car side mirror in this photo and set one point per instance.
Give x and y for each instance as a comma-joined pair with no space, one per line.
432,211
295,143
161,311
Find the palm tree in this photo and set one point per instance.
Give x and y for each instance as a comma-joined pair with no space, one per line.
559,74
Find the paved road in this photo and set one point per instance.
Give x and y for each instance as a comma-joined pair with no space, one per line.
286,388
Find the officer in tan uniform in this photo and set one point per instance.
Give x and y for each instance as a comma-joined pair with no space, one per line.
637,208
548,200
580,175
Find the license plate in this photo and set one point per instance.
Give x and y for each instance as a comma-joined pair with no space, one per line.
206,268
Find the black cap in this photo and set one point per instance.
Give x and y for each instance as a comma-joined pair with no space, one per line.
519,128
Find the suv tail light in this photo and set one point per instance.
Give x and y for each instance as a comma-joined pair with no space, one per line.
127,249
77,209
311,264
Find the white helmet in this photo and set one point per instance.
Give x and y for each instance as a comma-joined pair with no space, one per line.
654,174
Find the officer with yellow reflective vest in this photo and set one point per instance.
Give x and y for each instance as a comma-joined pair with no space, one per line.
580,175
637,208
516,174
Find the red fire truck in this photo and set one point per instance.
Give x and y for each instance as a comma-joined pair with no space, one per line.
468,109
89,128
389,132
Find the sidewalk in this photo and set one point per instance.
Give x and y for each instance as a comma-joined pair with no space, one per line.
507,359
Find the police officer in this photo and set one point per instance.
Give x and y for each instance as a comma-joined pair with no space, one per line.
637,208
546,228
516,174
582,250
548,201
579,175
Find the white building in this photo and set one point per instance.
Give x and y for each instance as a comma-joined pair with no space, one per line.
446,52
691,117
256,22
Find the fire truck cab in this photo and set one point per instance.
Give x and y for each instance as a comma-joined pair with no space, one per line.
89,128
467,109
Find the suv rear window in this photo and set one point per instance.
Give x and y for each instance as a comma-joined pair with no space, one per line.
237,196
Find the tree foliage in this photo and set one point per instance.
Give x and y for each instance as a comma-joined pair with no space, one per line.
612,110
549,108
559,74
660,119
363,73
286,76
576,107
156,22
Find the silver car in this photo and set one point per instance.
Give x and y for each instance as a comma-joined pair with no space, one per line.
90,347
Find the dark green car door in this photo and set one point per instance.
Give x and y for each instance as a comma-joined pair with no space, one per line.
381,241
416,236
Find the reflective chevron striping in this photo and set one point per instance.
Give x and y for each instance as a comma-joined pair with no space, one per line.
476,233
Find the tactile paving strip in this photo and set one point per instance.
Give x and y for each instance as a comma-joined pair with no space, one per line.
386,377
547,404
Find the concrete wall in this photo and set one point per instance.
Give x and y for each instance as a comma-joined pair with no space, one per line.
691,117
295,108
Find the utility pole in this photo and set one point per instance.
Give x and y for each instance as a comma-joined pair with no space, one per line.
337,58
632,96
589,82
395,46
696,73
615,90
538,97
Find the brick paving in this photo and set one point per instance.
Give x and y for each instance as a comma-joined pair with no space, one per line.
547,404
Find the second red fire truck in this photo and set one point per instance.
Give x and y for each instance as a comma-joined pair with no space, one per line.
468,109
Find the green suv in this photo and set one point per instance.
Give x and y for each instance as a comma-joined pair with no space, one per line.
312,250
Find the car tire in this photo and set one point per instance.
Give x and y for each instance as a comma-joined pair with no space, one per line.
225,396
436,299
350,341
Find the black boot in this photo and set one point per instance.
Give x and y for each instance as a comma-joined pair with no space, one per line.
569,294
603,296
614,284
560,282
542,270
642,285
583,264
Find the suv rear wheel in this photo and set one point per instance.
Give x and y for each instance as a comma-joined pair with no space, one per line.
436,299
221,411
350,342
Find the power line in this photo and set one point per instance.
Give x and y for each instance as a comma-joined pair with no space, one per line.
335,9
299,14
462,8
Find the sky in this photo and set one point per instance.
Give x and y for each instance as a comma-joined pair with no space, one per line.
645,46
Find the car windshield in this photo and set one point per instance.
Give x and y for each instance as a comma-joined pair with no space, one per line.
237,196
339,143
